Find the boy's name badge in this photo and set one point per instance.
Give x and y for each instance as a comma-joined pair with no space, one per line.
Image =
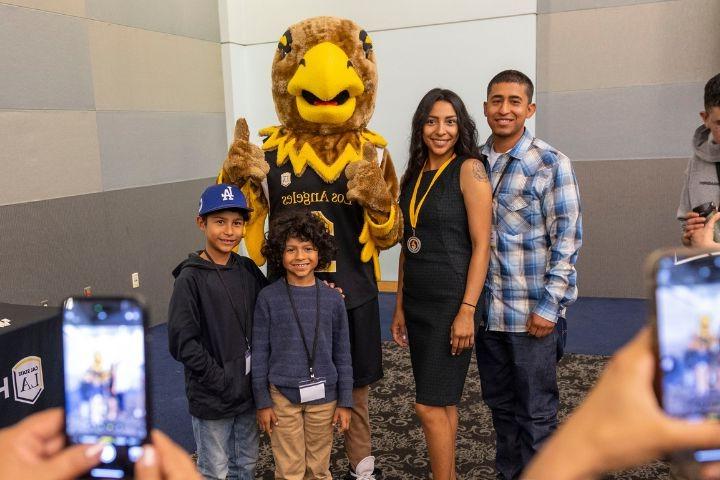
248,362
313,389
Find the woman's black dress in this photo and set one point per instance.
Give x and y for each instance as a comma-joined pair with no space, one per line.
434,285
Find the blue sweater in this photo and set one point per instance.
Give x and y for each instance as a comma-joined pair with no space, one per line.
278,355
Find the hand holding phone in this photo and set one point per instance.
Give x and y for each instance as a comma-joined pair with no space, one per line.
686,313
619,424
105,375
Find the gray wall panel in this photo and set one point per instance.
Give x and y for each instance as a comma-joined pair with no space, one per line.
48,154
45,61
628,211
189,18
552,6
139,149
649,44
654,121
54,248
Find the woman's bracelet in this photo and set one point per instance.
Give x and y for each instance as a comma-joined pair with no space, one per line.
470,305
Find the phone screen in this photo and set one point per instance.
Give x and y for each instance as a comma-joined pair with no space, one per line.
105,380
688,325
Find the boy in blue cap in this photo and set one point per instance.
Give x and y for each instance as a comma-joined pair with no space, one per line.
209,329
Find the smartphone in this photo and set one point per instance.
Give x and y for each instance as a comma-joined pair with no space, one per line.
686,314
106,380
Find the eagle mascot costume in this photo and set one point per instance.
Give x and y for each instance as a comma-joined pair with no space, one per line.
322,158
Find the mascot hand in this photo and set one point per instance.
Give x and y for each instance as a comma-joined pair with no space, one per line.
245,161
366,184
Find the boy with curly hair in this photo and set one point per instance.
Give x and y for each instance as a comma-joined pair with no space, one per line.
302,371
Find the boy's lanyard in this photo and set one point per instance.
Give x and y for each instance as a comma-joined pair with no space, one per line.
242,323
310,358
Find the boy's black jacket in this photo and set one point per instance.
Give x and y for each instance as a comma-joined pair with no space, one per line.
206,335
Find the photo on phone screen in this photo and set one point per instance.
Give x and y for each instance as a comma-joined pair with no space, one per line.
687,302
105,380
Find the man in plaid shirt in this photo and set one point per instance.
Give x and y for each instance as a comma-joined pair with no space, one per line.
537,231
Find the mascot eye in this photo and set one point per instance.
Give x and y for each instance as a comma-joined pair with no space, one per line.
285,44
366,43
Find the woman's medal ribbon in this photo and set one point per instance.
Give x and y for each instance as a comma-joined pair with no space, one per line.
413,243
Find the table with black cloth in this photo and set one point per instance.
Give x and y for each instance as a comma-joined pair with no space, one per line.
30,361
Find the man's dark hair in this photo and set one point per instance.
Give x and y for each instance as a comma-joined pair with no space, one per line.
712,93
305,226
243,213
513,76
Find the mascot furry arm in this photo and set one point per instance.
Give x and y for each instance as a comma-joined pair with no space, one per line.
324,87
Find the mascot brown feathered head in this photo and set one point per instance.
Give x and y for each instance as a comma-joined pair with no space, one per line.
324,77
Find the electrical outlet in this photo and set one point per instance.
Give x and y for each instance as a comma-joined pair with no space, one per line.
135,280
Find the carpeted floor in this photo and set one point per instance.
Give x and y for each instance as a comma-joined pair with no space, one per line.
398,440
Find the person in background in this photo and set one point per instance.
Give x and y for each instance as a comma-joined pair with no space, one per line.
702,177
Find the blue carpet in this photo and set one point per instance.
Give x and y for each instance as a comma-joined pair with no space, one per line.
596,326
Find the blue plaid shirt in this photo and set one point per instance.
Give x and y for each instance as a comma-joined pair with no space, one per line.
537,231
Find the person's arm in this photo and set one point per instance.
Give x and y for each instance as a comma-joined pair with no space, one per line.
341,352
261,353
477,197
184,337
560,206
619,424
397,327
266,417
343,365
692,221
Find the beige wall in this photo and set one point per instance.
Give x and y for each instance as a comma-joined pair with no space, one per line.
620,85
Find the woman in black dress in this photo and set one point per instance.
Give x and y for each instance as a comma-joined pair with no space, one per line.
446,201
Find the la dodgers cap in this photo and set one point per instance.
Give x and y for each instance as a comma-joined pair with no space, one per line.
220,197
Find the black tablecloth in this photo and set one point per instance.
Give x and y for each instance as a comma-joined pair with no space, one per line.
30,361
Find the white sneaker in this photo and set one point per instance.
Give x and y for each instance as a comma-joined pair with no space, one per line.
365,469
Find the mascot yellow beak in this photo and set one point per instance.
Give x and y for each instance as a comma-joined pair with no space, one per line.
325,85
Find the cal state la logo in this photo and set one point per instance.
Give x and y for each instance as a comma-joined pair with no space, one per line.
28,379
227,194
285,179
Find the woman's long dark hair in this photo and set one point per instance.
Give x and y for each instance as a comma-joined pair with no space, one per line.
467,141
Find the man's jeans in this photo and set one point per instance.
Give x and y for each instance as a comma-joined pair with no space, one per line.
519,384
227,448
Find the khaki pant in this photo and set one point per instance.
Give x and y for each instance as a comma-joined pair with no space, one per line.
357,438
302,439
